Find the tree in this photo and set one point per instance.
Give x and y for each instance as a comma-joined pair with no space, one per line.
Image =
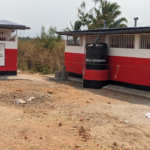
77,26
43,33
47,40
106,11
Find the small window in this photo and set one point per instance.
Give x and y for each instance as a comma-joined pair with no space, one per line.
74,41
144,41
122,41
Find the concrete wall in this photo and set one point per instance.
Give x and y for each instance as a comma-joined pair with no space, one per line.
128,52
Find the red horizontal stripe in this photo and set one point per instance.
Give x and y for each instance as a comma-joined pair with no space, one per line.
129,61
123,69
74,62
130,70
96,75
11,53
10,60
73,57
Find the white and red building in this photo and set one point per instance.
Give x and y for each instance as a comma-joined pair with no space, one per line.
9,46
128,56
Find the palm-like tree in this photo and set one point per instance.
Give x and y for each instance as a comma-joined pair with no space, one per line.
77,26
107,11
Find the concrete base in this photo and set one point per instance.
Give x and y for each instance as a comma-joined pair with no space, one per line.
75,79
55,79
61,75
128,91
58,74
20,77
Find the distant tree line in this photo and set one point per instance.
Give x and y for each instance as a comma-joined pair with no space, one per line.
25,38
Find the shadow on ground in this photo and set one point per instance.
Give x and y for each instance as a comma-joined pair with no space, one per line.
104,92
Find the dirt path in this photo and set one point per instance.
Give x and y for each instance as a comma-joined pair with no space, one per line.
64,116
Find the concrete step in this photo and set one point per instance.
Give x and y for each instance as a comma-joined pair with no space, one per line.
128,91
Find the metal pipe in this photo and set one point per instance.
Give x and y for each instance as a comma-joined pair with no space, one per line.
118,22
135,21
104,24
96,40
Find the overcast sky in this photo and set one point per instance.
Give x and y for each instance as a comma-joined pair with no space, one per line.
59,13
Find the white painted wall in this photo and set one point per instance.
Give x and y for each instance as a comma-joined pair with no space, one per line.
127,52
124,52
11,44
76,49
7,33
81,49
2,54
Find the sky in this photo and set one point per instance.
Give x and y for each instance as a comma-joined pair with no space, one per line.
59,13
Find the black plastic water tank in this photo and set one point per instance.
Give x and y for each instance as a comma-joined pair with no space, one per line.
96,56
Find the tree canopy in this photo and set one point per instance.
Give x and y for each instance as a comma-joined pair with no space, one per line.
105,11
77,26
48,39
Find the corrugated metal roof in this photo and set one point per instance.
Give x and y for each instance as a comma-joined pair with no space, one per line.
130,30
11,25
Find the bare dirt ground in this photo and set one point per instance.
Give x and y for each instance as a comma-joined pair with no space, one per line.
64,116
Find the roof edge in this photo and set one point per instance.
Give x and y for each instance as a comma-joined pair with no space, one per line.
127,31
14,27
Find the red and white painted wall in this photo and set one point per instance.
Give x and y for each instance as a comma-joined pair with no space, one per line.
128,60
75,61
8,52
74,57
130,66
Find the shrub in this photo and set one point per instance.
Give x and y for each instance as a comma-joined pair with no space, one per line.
43,54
